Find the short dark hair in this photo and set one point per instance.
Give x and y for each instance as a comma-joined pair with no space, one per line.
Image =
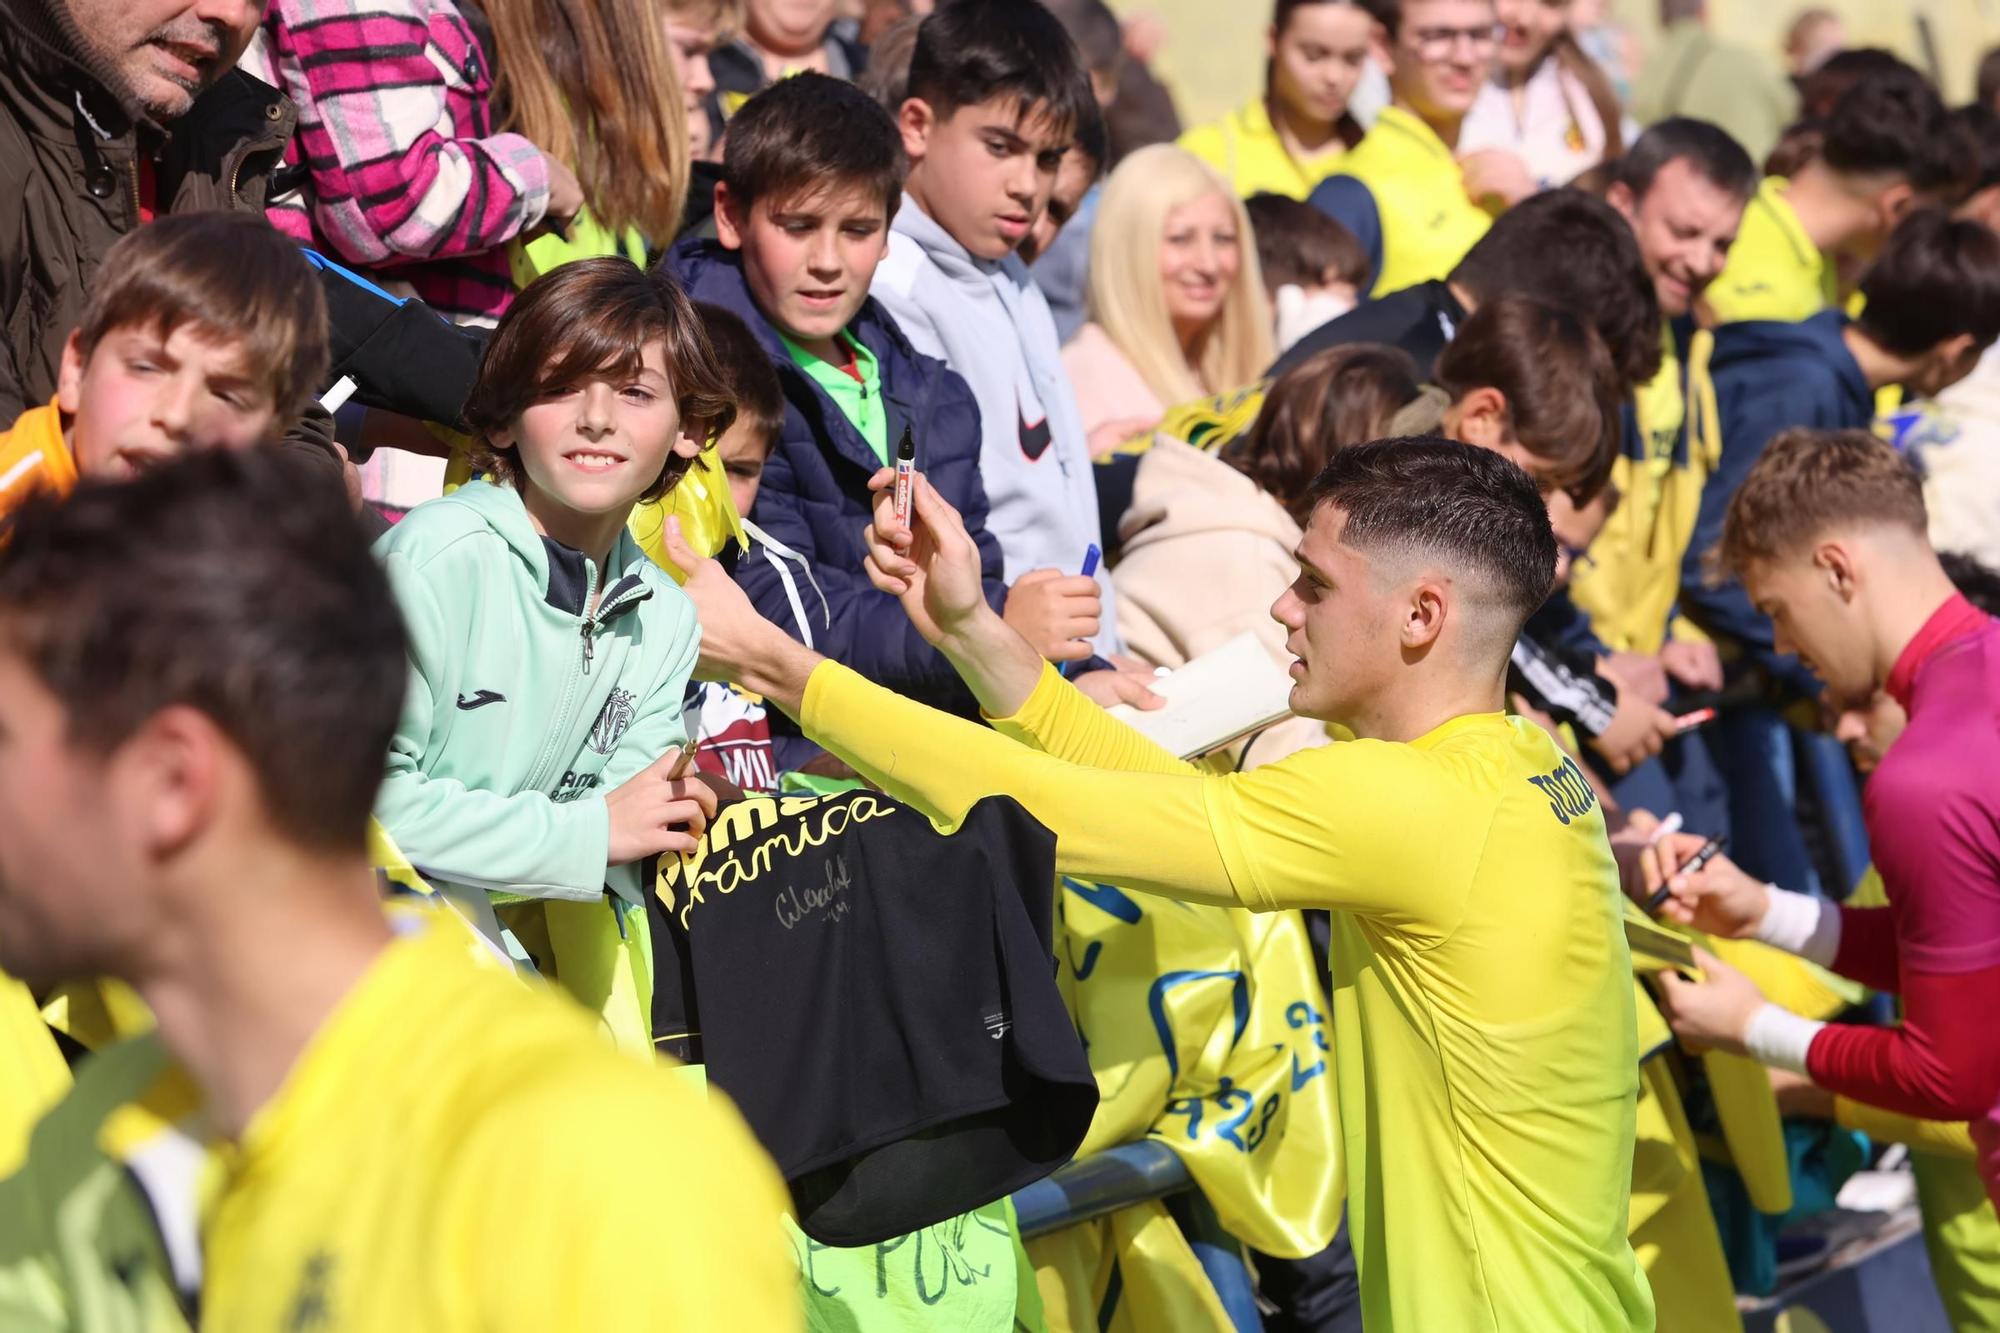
1821,90
1466,505
588,317
1574,251
1715,157
1807,481
1937,278
1561,389
812,132
1891,122
1099,37
1332,400
233,583
972,51
233,276
1298,243
1976,582
887,78
747,374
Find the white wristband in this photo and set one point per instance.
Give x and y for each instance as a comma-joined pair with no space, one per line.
1802,924
1780,1038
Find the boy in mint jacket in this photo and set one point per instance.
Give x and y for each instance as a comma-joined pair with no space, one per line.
533,771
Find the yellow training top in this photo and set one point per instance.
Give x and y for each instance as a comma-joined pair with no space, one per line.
457,1151
1485,1054
1428,222
1244,146
1774,270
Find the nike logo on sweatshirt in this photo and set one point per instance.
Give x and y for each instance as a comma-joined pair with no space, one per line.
480,700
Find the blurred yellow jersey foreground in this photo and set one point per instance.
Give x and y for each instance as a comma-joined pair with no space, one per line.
452,1151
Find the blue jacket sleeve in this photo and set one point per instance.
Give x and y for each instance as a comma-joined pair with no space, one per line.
1351,204
1722,608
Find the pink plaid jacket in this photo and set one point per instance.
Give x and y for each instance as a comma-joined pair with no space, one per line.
404,173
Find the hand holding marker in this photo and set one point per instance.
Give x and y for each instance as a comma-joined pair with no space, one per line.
1709,851
1091,555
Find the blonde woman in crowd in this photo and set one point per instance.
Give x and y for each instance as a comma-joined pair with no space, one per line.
1176,300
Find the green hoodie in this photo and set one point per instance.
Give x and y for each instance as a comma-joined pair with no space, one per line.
523,709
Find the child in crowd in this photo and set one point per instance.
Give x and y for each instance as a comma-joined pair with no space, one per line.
1885,150
1294,134
694,29
1176,300
204,330
780,38
1402,190
996,93
734,731
811,178
1555,108
535,766
1057,250
1314,270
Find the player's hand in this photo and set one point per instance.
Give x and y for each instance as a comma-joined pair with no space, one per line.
1693,663
1645,859
733,633
1715,1012
1056,612
930,564
1719,899
653,812
1638,731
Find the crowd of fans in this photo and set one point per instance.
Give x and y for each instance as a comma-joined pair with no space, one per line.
416,416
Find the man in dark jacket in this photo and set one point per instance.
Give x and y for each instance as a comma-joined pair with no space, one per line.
115,111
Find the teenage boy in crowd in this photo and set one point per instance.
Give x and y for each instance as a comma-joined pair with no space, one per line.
1402,191
1933,305
1827,533
204,330
812,176
996,93
1885,150
1488,1104
199,673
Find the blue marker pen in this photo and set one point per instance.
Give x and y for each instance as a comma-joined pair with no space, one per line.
1091,555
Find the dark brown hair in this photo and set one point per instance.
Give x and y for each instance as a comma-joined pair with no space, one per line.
1333,399
1937,278
236,583
1807,481
236,279
594,317
972,51
1298,243
809,133
1471,507
747,375
1561,389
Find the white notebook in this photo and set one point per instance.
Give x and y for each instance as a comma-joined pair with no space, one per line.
1219,697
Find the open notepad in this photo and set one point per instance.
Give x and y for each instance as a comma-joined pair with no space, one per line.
1219,697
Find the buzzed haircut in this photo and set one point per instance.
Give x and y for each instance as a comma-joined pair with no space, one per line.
1297,243
973,51
1575,251
1808,482
747,374
1891,123
232,583
812,132
1708,149
1937,278
1466,506
234,278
